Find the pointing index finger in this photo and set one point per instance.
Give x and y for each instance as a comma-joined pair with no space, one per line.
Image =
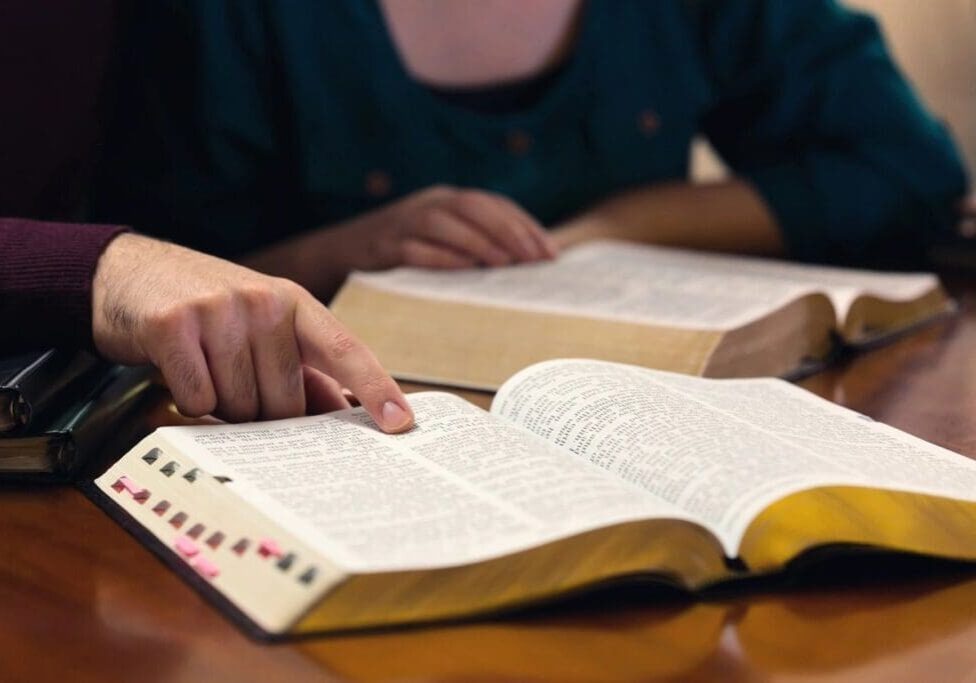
326,345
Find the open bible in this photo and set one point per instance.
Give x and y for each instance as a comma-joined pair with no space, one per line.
582,472
684,311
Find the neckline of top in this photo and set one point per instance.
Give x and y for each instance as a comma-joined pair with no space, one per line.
567,84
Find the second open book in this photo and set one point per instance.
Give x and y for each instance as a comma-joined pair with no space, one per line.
684,311
583,471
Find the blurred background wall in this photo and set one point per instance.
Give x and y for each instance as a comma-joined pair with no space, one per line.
934,42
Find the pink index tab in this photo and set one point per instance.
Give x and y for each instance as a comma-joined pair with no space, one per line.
268,547
186,547
123,483
206,568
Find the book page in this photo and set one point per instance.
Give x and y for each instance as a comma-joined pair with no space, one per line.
611,281
841,285
462,486
722,450
645,284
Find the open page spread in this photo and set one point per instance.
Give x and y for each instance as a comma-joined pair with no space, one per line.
462,486
651,285
841,285
721,450
608,281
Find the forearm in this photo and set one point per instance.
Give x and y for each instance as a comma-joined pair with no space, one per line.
725,216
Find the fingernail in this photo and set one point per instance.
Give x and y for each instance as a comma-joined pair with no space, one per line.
395,418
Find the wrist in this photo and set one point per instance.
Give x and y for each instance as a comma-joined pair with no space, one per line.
121,258
586,227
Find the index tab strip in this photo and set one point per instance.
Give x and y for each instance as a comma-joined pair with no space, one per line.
138,493
268,547
308,576
206,568
186,547
216,538
178,519
152,456
285,563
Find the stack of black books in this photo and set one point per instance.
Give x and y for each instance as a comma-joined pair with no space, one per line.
57,409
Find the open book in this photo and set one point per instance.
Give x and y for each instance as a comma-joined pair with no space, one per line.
684,311
582,472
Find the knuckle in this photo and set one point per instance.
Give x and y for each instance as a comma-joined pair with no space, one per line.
257,296
263,304
439,190
500,199
216,300
470,200
212,305
289,289
292,295
433,214
168,322
343,344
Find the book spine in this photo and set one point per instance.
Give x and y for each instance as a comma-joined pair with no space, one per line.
45,385
14,411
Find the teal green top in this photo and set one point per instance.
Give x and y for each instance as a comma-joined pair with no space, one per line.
248,121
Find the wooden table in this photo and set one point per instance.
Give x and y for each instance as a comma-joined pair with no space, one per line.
81,600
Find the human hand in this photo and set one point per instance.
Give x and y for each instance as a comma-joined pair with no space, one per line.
231,341
442,227
967,216
438,227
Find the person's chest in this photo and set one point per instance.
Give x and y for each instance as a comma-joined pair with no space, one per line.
364,131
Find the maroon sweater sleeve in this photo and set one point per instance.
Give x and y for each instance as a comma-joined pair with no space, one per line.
46,272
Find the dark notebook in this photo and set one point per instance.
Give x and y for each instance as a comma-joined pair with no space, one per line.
56,449
34,386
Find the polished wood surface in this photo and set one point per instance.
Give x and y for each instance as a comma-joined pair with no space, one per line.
81,600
